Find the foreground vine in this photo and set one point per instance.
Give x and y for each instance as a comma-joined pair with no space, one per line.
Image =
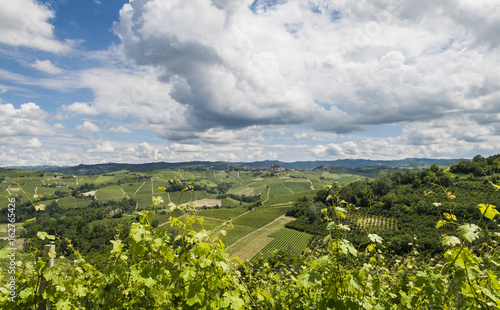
181,268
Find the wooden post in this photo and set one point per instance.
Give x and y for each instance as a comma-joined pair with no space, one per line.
459,298
47,249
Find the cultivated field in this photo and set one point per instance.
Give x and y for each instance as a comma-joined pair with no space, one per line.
222,198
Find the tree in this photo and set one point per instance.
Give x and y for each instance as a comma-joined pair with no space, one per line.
478,158
381,186
479,172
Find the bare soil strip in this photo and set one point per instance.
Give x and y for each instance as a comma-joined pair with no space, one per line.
287,187
205,202
139,188
312,186
239,176
124,193
91,193
226,222
282,204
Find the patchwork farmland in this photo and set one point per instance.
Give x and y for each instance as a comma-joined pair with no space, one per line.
245,209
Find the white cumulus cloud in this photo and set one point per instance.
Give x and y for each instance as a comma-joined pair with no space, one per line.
88,126
104,147
120,129
33,143
340,68
46,66
26,23
80,108
27,120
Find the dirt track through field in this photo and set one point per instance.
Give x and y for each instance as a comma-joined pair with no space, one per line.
287,187
225,223
312,186
139,188
124,193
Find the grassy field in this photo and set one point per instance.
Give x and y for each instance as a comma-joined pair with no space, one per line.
131,187
251,244
3,230
181,197
229,203
110,193
108,220
222,213
69,202
208,224
235,232
260,216
87,179
250,221
297,186
45,191
289,198
6,250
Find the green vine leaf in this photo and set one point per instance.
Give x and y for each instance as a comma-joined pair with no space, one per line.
30,221
43,235
488,211
346,247
375,238
450,216
440,223
497,187
450,241
157,201
470,232
40,207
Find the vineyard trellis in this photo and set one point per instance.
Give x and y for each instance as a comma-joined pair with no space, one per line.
375,222
286,239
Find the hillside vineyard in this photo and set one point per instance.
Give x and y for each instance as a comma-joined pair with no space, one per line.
253,238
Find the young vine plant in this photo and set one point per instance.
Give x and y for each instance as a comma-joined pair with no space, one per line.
183,268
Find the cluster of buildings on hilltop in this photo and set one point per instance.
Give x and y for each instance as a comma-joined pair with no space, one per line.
108,210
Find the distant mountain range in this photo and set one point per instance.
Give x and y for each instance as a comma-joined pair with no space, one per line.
409,163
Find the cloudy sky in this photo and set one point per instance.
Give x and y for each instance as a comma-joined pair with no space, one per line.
94,81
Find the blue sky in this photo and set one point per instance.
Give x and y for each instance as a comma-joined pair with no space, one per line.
154,80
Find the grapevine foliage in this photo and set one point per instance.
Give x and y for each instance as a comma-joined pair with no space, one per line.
180,268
